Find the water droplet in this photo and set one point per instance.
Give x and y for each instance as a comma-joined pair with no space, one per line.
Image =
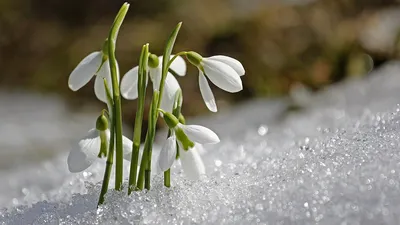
263,130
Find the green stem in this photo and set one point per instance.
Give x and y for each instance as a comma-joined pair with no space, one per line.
110,154
145,165
116,94
175,56
140,181
153,111
142,76
167,178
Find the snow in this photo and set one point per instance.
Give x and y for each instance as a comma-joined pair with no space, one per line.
335,162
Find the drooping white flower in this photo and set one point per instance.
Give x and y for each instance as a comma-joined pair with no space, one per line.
188,137
86,150
129,83
190,159
223,71
89,67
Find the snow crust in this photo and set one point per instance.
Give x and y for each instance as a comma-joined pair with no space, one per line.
335,162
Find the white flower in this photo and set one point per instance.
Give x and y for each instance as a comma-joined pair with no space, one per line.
190,159
88,68
223,71
86,150
129,83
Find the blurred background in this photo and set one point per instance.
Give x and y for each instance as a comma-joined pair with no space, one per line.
288,48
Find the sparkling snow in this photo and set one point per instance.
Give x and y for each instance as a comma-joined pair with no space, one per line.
335,162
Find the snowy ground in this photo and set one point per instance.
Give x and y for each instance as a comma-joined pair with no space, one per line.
336,162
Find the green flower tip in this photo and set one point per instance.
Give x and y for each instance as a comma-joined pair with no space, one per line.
170,120
153,61
183,139
194,58
102,123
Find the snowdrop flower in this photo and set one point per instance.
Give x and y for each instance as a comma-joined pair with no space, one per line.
223,71
188,137
129,83
96,63
86,150
190,159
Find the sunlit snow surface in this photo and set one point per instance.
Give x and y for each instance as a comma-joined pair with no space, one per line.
337,162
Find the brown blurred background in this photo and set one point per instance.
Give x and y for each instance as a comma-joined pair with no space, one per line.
280,43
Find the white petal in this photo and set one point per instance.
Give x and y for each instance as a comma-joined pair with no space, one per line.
170,88
222,75
206,93
178,65
200,134
99,89
127,148
191,163
155,76
129,84
85,152
85,70
234,63
167,154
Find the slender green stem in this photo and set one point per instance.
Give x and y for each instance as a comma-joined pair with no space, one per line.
167,173
142,76
145,166
175,56
167,178
143,163
153,111
110,154
116,94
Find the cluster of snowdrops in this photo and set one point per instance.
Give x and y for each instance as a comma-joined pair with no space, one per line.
183,142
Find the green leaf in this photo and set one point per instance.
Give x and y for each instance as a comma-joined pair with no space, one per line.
169,46
118,22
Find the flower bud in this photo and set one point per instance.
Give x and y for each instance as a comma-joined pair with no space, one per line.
102,123
194,58
153,61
